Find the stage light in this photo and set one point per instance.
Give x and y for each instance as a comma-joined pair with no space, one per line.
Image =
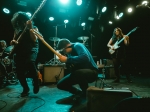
29,14
82,24
104,9
66,21
110,22
64,1
145,3
79,2
129,9
6,10
51,18
117,17
121,14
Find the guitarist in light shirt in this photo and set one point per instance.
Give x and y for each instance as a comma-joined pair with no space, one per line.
119,53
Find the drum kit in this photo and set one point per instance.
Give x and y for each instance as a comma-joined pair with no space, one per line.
9,66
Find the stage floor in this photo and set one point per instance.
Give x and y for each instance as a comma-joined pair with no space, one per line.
51,99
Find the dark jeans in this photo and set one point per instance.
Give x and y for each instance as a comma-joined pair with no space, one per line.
24,67
81,77
121,63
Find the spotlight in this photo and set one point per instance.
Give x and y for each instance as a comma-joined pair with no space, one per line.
121,14
110,22
82,24
51,18
129,9
79,2
117,17
66,21
64,1
6,10
145,3
104,9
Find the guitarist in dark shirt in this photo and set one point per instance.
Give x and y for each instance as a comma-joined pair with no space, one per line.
84,69
26,50
119,54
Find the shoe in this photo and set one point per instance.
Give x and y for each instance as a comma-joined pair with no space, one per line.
79,100
36,88
25,93
116,81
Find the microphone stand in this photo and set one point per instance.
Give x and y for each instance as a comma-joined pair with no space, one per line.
54,60
91,41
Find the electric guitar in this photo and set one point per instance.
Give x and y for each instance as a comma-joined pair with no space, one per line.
44,42
20,36
70,66
116,45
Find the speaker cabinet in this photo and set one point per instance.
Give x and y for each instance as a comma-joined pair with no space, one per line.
104,100
52,73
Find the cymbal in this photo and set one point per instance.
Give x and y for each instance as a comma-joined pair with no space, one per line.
54,39
83,38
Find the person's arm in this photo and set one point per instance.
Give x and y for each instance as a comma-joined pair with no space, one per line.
110,44
32,35
126,40
14,42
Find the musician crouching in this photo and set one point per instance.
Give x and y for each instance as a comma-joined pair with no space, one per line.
83,68
118,53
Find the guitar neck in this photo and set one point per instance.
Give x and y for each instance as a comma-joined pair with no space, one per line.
124,38
55,52
45,43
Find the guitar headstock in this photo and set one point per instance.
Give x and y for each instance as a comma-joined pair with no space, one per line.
135,29
42,4
40,7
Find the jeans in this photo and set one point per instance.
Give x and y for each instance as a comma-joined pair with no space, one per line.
81,77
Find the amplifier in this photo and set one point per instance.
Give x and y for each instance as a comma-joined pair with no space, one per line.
103,100
52,73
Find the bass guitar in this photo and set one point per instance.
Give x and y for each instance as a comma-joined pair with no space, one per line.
116,45
44,42
71,67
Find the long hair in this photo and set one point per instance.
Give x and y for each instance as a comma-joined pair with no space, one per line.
19,20
114,37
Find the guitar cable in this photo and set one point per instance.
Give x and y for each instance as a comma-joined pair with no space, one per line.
18,96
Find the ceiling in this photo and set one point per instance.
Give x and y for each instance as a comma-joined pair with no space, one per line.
99,27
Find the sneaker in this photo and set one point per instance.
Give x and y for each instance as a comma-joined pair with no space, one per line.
79,100
25,93
36,88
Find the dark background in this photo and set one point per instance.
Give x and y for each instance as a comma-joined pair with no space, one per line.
138,51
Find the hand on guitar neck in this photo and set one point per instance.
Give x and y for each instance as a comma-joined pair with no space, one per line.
62,58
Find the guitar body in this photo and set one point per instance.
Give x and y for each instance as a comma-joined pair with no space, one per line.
115,46
111,51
